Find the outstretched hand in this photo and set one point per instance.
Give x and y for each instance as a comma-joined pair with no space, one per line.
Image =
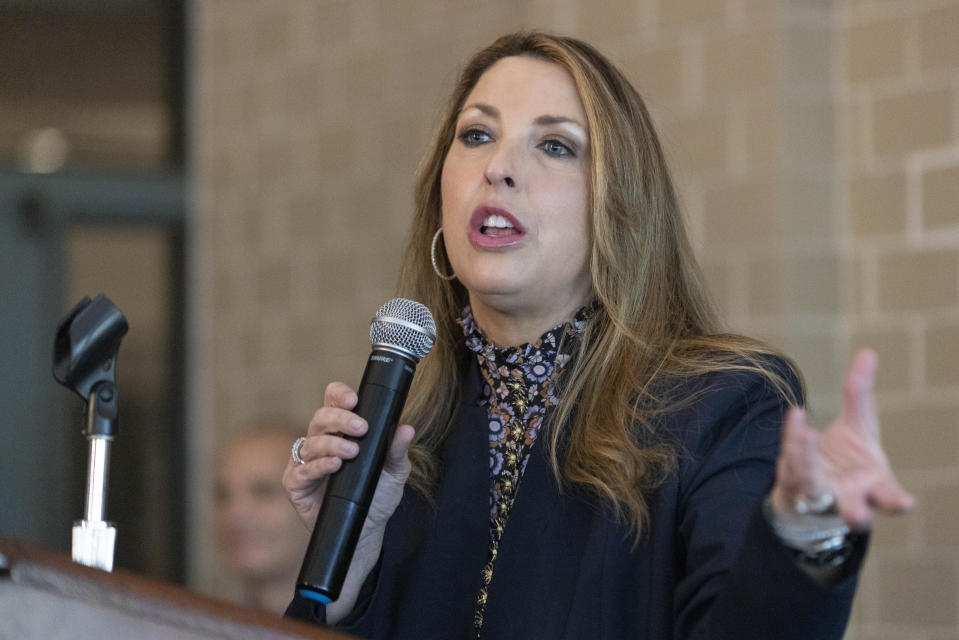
846,461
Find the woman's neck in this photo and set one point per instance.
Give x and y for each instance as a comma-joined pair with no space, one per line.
511,328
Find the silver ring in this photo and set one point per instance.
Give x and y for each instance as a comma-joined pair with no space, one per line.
820,506
295,451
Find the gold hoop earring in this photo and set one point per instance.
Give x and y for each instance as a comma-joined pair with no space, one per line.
436,268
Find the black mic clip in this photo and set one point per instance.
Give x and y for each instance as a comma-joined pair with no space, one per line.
84,359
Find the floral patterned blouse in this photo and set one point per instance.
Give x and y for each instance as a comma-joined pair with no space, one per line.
519,391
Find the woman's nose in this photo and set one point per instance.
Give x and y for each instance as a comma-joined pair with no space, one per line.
502,168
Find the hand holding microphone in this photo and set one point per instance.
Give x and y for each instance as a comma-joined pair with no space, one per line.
323,453
352,478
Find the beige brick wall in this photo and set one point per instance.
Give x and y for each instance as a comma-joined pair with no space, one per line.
899,144
816,145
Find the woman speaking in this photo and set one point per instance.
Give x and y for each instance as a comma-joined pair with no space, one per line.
586,454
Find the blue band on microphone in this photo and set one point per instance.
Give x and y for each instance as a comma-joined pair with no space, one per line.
313,595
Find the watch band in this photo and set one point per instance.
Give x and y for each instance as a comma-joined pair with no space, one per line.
820,540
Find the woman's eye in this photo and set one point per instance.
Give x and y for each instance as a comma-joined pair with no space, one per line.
556,149
474,137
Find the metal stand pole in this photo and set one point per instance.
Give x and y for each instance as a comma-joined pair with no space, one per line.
93,537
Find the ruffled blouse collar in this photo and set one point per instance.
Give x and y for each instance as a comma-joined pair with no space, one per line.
502,361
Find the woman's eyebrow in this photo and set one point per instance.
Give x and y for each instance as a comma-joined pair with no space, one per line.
548,120
543,120
487,109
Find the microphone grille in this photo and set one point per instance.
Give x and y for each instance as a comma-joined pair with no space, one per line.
404,324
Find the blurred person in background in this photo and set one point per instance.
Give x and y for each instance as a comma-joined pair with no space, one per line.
261,538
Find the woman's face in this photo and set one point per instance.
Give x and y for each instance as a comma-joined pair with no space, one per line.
515,194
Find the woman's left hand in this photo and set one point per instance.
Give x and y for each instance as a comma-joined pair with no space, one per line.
846,461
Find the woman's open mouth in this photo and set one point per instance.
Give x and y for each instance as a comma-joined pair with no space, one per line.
497,226
493,228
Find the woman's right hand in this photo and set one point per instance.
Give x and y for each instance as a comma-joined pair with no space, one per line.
326,447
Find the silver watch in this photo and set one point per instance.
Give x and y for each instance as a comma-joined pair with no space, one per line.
820,539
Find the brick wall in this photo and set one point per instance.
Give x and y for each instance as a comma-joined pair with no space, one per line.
898,132
816,145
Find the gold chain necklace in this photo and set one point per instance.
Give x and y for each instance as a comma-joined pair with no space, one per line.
506,492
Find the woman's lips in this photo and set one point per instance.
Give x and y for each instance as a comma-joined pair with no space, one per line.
502,231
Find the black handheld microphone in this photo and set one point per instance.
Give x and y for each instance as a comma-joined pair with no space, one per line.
402,332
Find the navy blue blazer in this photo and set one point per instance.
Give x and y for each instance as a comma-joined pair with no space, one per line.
707,567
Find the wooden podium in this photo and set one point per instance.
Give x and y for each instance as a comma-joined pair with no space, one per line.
45,595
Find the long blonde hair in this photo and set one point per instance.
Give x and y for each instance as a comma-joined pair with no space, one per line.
653,321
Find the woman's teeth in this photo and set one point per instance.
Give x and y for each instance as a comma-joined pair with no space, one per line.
497,222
